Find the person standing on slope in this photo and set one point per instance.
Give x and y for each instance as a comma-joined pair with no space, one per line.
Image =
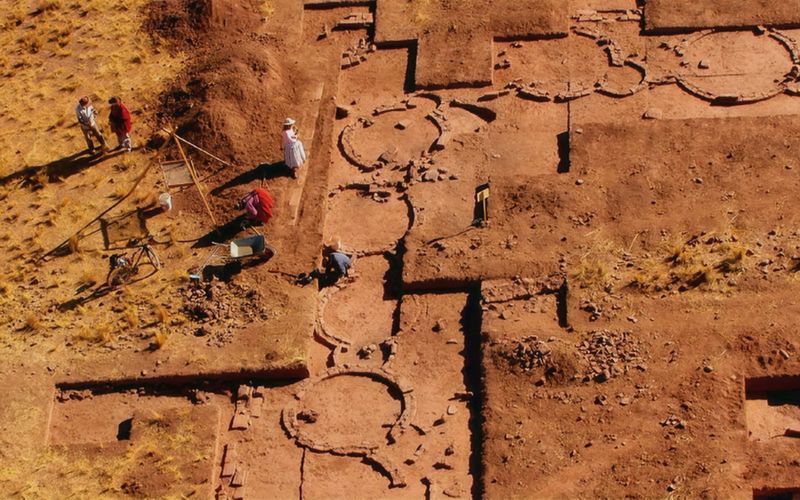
120,120
87,118
294,154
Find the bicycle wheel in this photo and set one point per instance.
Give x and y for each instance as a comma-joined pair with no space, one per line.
119,276
151,255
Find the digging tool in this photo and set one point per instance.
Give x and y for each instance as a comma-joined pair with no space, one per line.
195,146
482,204
197,276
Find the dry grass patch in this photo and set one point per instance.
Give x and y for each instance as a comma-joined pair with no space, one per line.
704,260
44,43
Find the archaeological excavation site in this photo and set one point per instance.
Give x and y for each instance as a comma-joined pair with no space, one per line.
400,249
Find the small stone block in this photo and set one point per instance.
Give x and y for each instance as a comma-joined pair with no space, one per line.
239,477
229,462
255,407
240,422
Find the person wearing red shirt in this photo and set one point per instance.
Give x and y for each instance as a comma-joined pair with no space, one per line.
120,120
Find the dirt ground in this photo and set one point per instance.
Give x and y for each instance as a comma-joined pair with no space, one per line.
617,320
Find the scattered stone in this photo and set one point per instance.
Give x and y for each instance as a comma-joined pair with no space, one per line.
673,421
430,176
653,114
528,353
703,64
308,416
449,450
402,124
609,354
422,430
367,351
388,156
451,410
454,492
417,453
579,182
439,325
708,368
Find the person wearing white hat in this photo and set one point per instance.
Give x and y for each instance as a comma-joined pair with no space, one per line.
294,154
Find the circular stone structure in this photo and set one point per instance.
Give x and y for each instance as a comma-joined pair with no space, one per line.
735,66
403,134
394,134
359,418
322,421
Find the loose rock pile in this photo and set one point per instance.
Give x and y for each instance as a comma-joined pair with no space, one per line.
610,354
528,353
601,356
217,309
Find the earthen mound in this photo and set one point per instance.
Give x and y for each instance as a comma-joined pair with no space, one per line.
233,94
232,103
185,24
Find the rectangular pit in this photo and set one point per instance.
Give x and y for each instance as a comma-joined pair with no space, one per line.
772,408
776,493
170,440
674,15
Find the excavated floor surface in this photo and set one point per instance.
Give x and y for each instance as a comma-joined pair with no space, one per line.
620,323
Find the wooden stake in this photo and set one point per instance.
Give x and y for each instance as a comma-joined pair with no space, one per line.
181,139
195,180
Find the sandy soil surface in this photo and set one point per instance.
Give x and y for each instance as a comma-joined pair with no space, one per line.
617,321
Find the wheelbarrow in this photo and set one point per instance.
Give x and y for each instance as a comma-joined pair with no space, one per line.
253,247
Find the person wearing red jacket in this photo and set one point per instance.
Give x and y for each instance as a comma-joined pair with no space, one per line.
257,206
120,120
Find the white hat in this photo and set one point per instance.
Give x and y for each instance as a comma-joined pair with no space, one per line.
289,122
